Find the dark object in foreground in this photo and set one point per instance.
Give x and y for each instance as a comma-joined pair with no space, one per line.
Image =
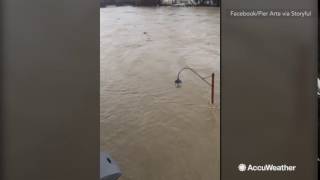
103,3
109,169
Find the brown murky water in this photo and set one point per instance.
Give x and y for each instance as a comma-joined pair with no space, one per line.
154,130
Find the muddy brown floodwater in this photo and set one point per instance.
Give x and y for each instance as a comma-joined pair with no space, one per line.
154,130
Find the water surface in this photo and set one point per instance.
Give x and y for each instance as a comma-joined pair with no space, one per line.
154,130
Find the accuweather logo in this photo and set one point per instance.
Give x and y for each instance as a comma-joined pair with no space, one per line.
267,167
242,167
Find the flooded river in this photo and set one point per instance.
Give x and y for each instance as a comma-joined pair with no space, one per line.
154,130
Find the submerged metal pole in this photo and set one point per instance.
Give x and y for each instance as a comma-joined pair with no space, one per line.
212,89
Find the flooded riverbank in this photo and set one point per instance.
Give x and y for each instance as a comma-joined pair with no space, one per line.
154,130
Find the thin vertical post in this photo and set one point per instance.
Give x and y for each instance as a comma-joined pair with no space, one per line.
212,89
